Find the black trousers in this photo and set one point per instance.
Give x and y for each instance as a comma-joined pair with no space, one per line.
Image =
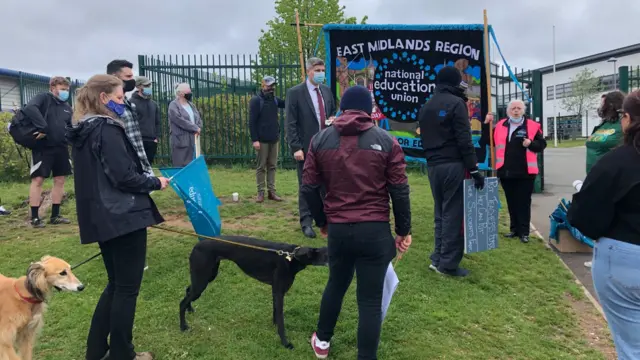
366,248
303,208
448,200
150,148
124,259
518,192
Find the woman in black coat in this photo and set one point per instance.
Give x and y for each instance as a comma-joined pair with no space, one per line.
114,209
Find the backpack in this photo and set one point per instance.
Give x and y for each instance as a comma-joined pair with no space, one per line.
22,129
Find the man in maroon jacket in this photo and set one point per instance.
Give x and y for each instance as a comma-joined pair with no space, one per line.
361,166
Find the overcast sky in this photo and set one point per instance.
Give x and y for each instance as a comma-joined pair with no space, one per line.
78,38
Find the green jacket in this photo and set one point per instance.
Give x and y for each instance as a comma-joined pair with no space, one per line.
604,137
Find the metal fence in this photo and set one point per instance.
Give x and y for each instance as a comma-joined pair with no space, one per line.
222,87
633,78
31,85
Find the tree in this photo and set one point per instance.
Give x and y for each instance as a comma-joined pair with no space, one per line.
584,93
280,40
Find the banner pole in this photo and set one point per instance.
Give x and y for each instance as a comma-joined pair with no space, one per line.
487,65
300,46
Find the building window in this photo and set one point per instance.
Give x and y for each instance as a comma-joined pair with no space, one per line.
549,92
568,126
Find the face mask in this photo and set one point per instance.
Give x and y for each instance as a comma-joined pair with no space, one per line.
63,95
516,120
318,77
115,107
147,91
188,96
129,85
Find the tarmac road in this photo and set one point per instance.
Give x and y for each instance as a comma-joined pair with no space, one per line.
562,166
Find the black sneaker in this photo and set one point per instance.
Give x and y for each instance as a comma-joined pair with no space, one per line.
511,235
459,272
37,223
59,220
524,239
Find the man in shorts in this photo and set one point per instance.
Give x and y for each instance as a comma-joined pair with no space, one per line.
50,113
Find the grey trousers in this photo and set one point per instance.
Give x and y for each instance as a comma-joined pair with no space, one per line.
303,208
267,160
448,199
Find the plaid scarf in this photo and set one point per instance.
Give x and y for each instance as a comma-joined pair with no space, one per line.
132,129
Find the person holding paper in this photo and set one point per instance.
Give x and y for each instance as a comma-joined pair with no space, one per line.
518,140
360,165
607,209
184,124
445,131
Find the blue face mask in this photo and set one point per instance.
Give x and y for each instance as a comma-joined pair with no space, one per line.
63,95
516,120
147,91
318,77
115,107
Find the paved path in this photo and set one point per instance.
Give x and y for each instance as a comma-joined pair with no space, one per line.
561,168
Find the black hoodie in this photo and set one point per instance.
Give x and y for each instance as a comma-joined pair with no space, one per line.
58,117
148,117
112,191
445,128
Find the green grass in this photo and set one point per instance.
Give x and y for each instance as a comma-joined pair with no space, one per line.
568,143
512,306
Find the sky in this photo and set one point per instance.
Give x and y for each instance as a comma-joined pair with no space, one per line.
77,38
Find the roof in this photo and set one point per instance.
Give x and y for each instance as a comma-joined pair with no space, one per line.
18,74
603,56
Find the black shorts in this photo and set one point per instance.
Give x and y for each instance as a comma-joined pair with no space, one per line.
50,161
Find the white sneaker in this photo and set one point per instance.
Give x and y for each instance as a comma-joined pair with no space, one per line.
588,264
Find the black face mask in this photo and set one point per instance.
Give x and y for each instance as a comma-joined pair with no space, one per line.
129,85
188,96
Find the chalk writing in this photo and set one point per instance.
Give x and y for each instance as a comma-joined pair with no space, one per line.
481,216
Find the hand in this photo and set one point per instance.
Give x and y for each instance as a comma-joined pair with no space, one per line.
488,119
198,132
330,121
526,142
479,180
164,182
324,231
299,155
403,243
256,145
155,141
39,135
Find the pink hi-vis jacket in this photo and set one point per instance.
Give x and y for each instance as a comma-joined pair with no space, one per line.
500,135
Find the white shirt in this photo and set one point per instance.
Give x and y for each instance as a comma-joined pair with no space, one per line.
314,98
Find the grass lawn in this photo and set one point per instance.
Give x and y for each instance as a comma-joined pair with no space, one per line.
514,305
567,143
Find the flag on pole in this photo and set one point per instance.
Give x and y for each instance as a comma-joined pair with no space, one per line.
390,284
193,185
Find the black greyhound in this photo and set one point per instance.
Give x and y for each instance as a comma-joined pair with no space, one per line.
276,266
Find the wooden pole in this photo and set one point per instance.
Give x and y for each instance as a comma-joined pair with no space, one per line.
302,75
487,64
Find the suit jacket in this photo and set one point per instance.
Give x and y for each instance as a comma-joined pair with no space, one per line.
301,122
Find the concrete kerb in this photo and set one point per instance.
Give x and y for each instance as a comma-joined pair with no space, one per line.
578,282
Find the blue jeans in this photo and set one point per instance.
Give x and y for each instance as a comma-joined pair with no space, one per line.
616,278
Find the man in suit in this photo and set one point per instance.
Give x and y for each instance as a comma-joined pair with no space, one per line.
309,106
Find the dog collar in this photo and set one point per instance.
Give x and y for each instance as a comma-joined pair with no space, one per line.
30,299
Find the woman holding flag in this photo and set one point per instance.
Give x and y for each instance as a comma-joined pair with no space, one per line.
361,166
114,209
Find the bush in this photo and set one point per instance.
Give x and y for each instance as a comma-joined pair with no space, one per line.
14,158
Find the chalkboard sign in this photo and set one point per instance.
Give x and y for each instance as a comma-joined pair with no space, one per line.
481,216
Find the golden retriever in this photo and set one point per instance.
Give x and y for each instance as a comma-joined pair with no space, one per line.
23,303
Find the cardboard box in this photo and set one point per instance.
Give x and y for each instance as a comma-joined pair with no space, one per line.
566,243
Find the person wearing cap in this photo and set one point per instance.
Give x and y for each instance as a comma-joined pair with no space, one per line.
148,116
310,108
264,126
360,166
445,131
